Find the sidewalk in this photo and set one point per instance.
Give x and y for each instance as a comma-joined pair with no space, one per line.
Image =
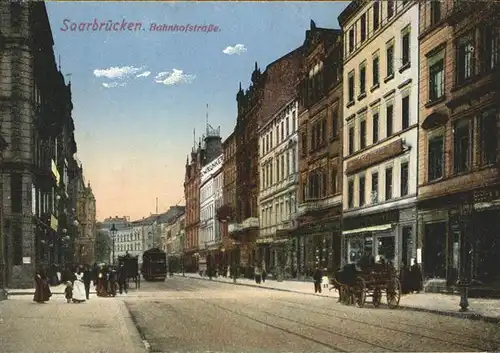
99,325
443,304
54,289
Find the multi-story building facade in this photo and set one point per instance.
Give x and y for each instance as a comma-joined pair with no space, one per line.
226,212
320,153
35,110
209,148
244,228
211,181
174,241
459,181
278,163
128,240
86,215
380,144
192,197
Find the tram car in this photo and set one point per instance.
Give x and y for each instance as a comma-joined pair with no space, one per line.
154,265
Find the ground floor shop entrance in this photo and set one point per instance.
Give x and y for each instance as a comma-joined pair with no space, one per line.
388,236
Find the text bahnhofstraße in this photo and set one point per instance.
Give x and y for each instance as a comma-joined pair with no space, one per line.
128,26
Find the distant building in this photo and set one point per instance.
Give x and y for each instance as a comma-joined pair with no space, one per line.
211,186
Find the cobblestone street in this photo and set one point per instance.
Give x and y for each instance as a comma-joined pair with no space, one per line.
190,315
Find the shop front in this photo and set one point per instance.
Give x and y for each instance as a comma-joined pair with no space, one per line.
317,245
388,236
460,237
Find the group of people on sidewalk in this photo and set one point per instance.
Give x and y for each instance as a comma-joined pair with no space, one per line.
106,279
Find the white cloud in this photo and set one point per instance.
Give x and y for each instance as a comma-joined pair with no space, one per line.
144,74
173,78
117,72
237,49
113,84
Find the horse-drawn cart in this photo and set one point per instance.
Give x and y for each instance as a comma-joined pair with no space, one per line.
373,281
131,264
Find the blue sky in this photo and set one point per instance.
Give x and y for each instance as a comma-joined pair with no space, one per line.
133,138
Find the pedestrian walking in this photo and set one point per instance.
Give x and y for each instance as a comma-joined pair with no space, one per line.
317,276
87,278
68,292
258,275
122,279
42,289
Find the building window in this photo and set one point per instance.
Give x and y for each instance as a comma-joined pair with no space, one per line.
388,183
351,40
376,15
390,60
361,190
390,8
324,184
351,140
465,59
374,192
405,112
282,167
15,14
489,137
16,192
351,87
294,161
375,127
350,193
335,122
435,12
389,123
277,169
375,70
436,77
282,131
362,79
435,161
462,149
304,143
287,126
363,27
491,48
405,46
362,134
404,178
334,182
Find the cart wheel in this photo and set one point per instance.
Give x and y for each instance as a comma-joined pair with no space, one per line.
360,292
393,293
377,297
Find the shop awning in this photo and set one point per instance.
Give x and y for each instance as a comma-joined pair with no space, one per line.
368,229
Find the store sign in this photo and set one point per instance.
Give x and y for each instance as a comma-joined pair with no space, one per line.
55,172
211,168
53,222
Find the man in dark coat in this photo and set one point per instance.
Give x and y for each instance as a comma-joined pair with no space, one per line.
122,279
87,278
317,276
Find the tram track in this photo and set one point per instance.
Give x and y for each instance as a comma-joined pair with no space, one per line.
492,344
302,336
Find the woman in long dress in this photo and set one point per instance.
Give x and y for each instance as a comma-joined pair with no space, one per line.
42,289
78,287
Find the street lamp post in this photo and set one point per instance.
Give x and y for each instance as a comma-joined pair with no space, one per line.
463,282
113,231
